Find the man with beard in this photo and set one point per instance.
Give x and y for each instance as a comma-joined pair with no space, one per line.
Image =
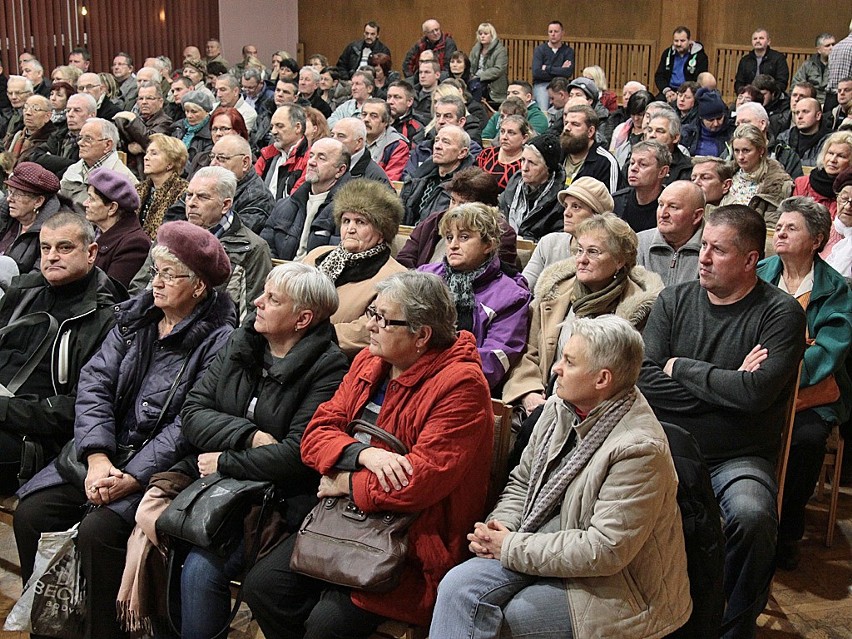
385,144
282,163
583,155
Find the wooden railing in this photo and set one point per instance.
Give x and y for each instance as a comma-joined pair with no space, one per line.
621,60
724,59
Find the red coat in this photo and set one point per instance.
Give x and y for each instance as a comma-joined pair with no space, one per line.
441,409
295,165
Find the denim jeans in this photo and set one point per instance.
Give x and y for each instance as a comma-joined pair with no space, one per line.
746,490
540,95
205,591
481,599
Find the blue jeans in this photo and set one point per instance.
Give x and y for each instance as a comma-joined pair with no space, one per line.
746,490
540,95
481,599
205,591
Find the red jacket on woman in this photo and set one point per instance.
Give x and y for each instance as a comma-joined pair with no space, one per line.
440,408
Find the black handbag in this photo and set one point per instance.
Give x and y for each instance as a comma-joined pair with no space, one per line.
341,544
210,512
72,470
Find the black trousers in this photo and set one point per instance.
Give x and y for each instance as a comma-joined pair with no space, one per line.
10,462
101,539
288,605
807,450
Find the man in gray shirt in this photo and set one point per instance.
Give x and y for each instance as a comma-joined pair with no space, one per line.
671,249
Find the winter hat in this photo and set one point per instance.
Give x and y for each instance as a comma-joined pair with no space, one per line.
33,178
549,149
710,104
590,192
587,86
115,188
198,249
201,98
843,179
380,205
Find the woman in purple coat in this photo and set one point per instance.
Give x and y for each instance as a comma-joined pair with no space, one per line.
492,299
129,395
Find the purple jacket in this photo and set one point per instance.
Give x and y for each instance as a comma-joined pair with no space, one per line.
124,386
501,319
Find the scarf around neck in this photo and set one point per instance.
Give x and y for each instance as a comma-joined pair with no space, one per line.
539,506
338,260
460,284
822,183
586,303
191,130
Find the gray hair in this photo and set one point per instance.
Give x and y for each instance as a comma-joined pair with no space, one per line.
307,288
614,344
660,152
464,136
156,76
36,65
28,85
252,74
456,101
672,118
816,216
108,130
756,108
425,300
313,72
226,181
67,217
295,114
366,76
356,126
151,84
230,80
160,252
89,102
637,86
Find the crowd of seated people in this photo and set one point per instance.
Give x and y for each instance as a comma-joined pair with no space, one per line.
446,236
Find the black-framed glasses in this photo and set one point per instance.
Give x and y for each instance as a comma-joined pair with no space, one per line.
165,276
381,320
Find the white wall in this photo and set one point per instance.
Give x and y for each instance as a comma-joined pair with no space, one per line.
270,25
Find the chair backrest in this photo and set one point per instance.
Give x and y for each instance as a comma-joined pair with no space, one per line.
500,453
525,251
786,439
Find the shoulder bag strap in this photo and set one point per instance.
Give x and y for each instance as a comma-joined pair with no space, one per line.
362,426
41,350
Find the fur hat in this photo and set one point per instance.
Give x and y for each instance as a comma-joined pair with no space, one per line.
198,249
550,150
710,104
590,192
115,188
375,201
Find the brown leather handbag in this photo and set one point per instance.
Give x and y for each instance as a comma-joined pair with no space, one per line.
341,544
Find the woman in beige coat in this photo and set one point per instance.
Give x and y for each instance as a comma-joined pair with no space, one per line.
602,277
368,216
586,539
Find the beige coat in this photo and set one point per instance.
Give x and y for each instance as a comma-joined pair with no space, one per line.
349,320
619,541
550,306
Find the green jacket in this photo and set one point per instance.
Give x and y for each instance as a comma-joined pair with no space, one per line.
829,315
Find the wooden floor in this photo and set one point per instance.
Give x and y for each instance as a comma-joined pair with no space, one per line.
813,602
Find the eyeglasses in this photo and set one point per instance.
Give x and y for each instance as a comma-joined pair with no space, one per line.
221,157
87,87
592,253
88,139
15,94
166,276
221,129
149,99
842,201
14,194
381,320
28,108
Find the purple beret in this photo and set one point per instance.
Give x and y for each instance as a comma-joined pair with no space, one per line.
116,188
198,249
33,178
843,180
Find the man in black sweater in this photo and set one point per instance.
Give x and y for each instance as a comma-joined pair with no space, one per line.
721,359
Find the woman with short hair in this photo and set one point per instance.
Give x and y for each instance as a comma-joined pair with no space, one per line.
601,278
316,125
111,206
491,298
163,185
586,539
246,417
368,215
383,74
162,342
421,382
796,268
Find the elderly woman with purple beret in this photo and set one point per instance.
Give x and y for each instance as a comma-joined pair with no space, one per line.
111,207
162,342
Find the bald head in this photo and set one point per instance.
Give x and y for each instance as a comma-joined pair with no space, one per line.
351,132
807,116
90,83
432,30
233,153
680,210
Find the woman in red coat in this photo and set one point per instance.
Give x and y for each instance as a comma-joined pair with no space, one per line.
421,382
